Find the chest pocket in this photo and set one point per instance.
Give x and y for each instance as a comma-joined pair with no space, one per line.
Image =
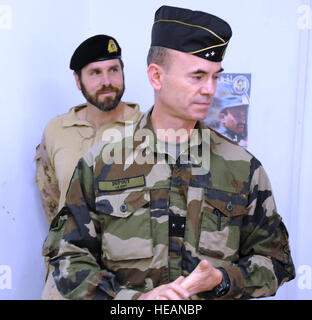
222,214
126,225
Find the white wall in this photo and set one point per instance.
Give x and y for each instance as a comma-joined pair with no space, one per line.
270,41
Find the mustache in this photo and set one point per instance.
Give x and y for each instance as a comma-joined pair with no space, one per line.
106,89
239,125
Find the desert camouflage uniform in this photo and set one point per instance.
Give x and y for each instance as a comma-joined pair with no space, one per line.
65,140
127,228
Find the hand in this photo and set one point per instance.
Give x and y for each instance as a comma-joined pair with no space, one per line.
203,278
170,291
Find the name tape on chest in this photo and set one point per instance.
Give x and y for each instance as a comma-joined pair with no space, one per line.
122,184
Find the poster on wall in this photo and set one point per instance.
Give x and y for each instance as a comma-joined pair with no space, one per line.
228,114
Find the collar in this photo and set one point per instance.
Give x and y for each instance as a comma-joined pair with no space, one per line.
70,118
200,138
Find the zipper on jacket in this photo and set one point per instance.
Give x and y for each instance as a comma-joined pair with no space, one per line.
218,214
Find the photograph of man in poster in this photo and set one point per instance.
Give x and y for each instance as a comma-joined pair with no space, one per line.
229,112
233,119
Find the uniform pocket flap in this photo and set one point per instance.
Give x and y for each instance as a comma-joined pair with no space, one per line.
229,203
123,204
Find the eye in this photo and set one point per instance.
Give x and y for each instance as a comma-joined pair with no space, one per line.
216,76
114,69
95,72
197,77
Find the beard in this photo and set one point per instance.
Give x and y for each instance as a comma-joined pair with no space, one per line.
109,103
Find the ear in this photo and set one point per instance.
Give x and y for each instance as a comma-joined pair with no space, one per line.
155,75
77,80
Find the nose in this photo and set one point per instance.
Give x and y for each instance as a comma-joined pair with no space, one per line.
209,88
105,80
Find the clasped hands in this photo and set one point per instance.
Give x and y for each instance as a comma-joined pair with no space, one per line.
203,278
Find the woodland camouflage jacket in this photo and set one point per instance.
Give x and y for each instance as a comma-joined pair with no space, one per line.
135,223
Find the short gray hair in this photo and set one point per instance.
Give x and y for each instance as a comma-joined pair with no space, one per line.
158,55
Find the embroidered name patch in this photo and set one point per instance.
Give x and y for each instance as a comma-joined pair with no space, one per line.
121,184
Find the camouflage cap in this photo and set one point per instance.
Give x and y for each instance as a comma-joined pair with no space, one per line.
226,97
231,101
97,48
194,32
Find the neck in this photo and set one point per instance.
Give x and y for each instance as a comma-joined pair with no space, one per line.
97,117
170,128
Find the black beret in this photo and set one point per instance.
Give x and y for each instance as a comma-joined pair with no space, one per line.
97,48
194,32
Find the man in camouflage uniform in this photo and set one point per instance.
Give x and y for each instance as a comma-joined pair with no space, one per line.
145,220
